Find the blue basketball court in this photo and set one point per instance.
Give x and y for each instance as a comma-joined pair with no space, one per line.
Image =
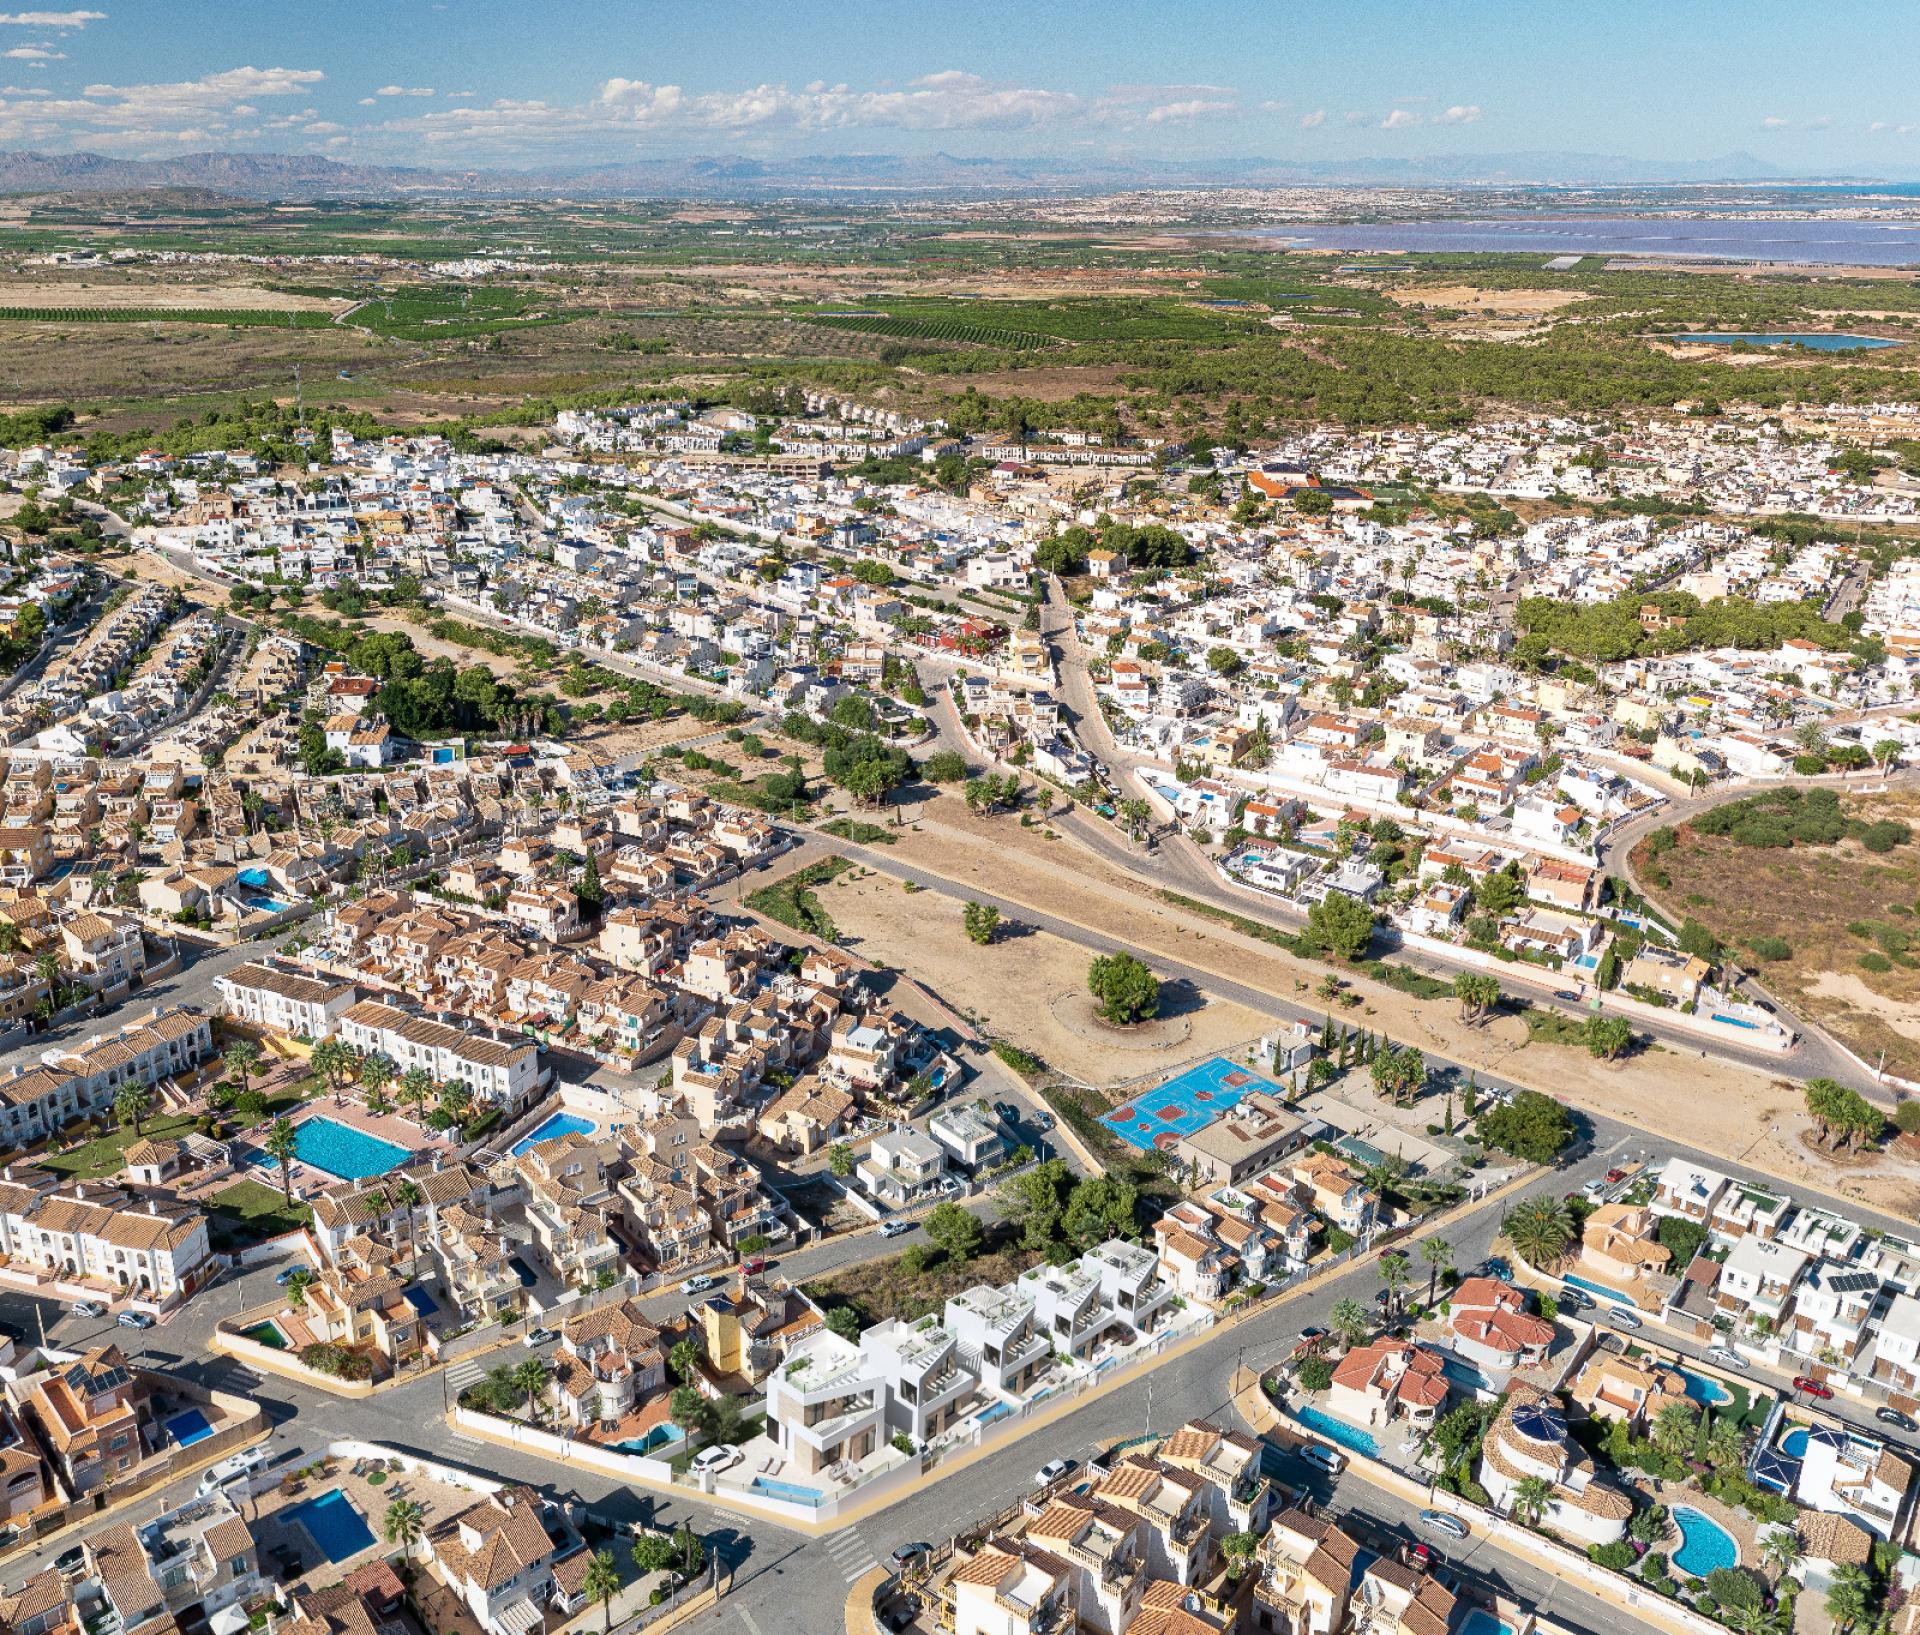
1193,1100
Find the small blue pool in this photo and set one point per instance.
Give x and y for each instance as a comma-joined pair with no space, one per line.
786,1490
1600,1289
189,1427
1794,1443
553,1125
332,1523
421,1301
1704,1543
1479,1621
658,1437
1338,1430
1708,1393
339,1149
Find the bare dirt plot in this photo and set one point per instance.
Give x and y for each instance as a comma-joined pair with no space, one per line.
1811,896
197,297
1010,987
1047,385
1470,298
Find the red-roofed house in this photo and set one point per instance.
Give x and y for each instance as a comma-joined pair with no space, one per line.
1391,1378
1492,1327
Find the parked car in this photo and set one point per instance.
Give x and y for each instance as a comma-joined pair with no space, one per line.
1894,1417
1495,1268
908,1554
718,1457
1572,1299
1595,1189
539,1336
70,1561
1323,1458
1442,1521
1043,1122
1727,1357
1052,1471
287,1276
1615,1177
1309,1339
1007,1111
1620,1317
1566,996
754,1265
1813,1388
134,1319
87,1308
1423,1556
893,1229
699,1283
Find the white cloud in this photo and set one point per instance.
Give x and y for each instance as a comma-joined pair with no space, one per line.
1399,120
949,100
52,19
452,95
33,53
1459,114
1314,120
404,91
369,102
1192,108
1773,122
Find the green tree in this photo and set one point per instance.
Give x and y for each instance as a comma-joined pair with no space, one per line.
1126,991
1530,1126
652,1553
845,1322
530,1379
944,766
982,920
1607,1036
1850,1595
406,1520
1437,1255
1395,1273
1350,1320
601,1582
1399,1074
407,1194
840,1160
1539,1228
416,1084
955,1231
1238,1550
1036,1199
684,1359
1532,1495
242,1060
1101,1207
1315,1374
1477,993
281,1147
131,1104
1341,925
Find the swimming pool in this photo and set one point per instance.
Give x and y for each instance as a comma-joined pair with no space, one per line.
666,1431
1708,1393
1184,1104
189,1427
268,1334
1600,1289
339,1149
1794,1443
808,1496
1704,1543
1338,1430
332,1523
554,1124
1479,1621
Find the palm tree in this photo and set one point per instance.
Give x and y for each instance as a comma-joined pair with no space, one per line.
1674,1428
1350,1320
1849,1594
1539,1228
132,1104
1726,1447
456,1101
1531,1496
241,1059
530,1376
407,1195
280,1146
416,1084
376,1072
1438,1255
1782,1552
602,1584
9,937
406,1520
336,1061
1395,1273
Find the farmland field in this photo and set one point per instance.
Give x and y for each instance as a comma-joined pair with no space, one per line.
238,317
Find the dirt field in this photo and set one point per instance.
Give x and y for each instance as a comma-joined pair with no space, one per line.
1811,895
1734,1112
1011,988
1497,303
80,292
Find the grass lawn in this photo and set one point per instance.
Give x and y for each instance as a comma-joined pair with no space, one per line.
105,1154
249,1211
792,901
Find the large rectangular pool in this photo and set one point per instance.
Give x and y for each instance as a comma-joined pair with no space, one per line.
554,1124
339,1149
332,1523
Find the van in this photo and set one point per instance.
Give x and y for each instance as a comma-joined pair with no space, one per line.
235,1467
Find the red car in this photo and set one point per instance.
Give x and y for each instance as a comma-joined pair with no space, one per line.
1615,1176
1813,1388
754,1265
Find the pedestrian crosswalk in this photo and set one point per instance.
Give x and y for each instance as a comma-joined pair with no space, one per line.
463,1374
851,1554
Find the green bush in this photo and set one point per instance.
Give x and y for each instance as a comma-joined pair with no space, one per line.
1877,963
1617,1557
1772,948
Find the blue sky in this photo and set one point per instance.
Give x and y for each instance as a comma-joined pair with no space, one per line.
1809,87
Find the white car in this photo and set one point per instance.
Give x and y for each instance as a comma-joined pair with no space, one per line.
1620,1317
718,1457
87,1308
1051,1472
1329,1461
1727,1358
1595,1189
893,1229
699,1283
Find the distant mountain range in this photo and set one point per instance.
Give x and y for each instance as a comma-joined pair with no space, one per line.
302,176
